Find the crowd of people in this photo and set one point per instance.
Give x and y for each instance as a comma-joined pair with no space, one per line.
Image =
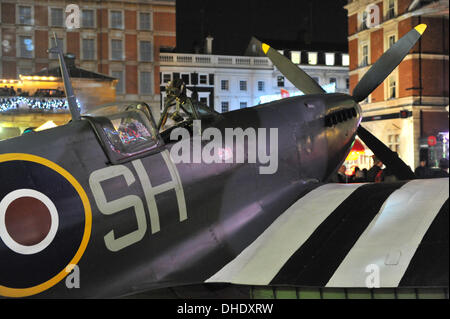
376,174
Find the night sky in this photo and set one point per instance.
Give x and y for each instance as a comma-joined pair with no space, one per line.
233,22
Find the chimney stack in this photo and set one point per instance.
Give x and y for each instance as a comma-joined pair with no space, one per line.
208,44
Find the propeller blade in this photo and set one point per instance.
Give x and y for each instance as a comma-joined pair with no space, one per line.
293,73
387,63
384,153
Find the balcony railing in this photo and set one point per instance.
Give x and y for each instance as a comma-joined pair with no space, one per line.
214,60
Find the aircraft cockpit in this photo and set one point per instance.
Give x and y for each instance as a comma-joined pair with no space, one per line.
125,130
128,129
181,110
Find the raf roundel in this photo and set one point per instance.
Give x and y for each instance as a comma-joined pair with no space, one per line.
45,224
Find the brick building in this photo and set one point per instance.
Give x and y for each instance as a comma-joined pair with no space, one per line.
412,103
121,39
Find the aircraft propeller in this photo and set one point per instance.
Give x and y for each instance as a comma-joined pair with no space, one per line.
379,71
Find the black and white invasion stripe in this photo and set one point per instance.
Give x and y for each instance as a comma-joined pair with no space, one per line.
331,235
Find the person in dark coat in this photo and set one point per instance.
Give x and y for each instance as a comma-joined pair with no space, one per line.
375,173
443,169
422,171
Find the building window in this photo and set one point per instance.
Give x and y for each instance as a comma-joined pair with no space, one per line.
224,85
364,21
391,41
87,18
144,21
329,58
333,80
203,79
280,81
394,142
365,55
26,46
116,50
185,78
243,85
392,88
347,83
225,106
295,57
312,58
56,17
390,14
261,86
88,49
145,48
166,77
25,15
145,82
119,86
116,19
243,105
345,59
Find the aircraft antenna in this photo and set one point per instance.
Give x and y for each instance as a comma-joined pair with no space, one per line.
71,99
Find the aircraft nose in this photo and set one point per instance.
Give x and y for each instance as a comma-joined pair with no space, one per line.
342,118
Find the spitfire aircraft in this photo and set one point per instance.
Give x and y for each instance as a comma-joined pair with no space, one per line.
102,197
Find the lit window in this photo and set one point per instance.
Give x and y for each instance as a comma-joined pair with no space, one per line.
345,60
394,142
26,47
312,58
295,57
57,17
329,58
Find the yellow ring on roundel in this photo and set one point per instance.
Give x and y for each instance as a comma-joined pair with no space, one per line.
24,292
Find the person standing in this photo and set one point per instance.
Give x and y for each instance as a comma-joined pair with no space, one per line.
375,173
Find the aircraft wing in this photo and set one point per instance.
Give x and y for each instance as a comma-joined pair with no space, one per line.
384,235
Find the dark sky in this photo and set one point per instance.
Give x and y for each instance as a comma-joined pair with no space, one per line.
233,22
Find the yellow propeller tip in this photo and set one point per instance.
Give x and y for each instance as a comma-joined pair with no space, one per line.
421,28
265,48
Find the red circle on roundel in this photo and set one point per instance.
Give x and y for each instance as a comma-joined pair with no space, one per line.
432,140
27,220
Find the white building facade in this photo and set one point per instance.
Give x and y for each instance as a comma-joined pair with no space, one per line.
228,83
